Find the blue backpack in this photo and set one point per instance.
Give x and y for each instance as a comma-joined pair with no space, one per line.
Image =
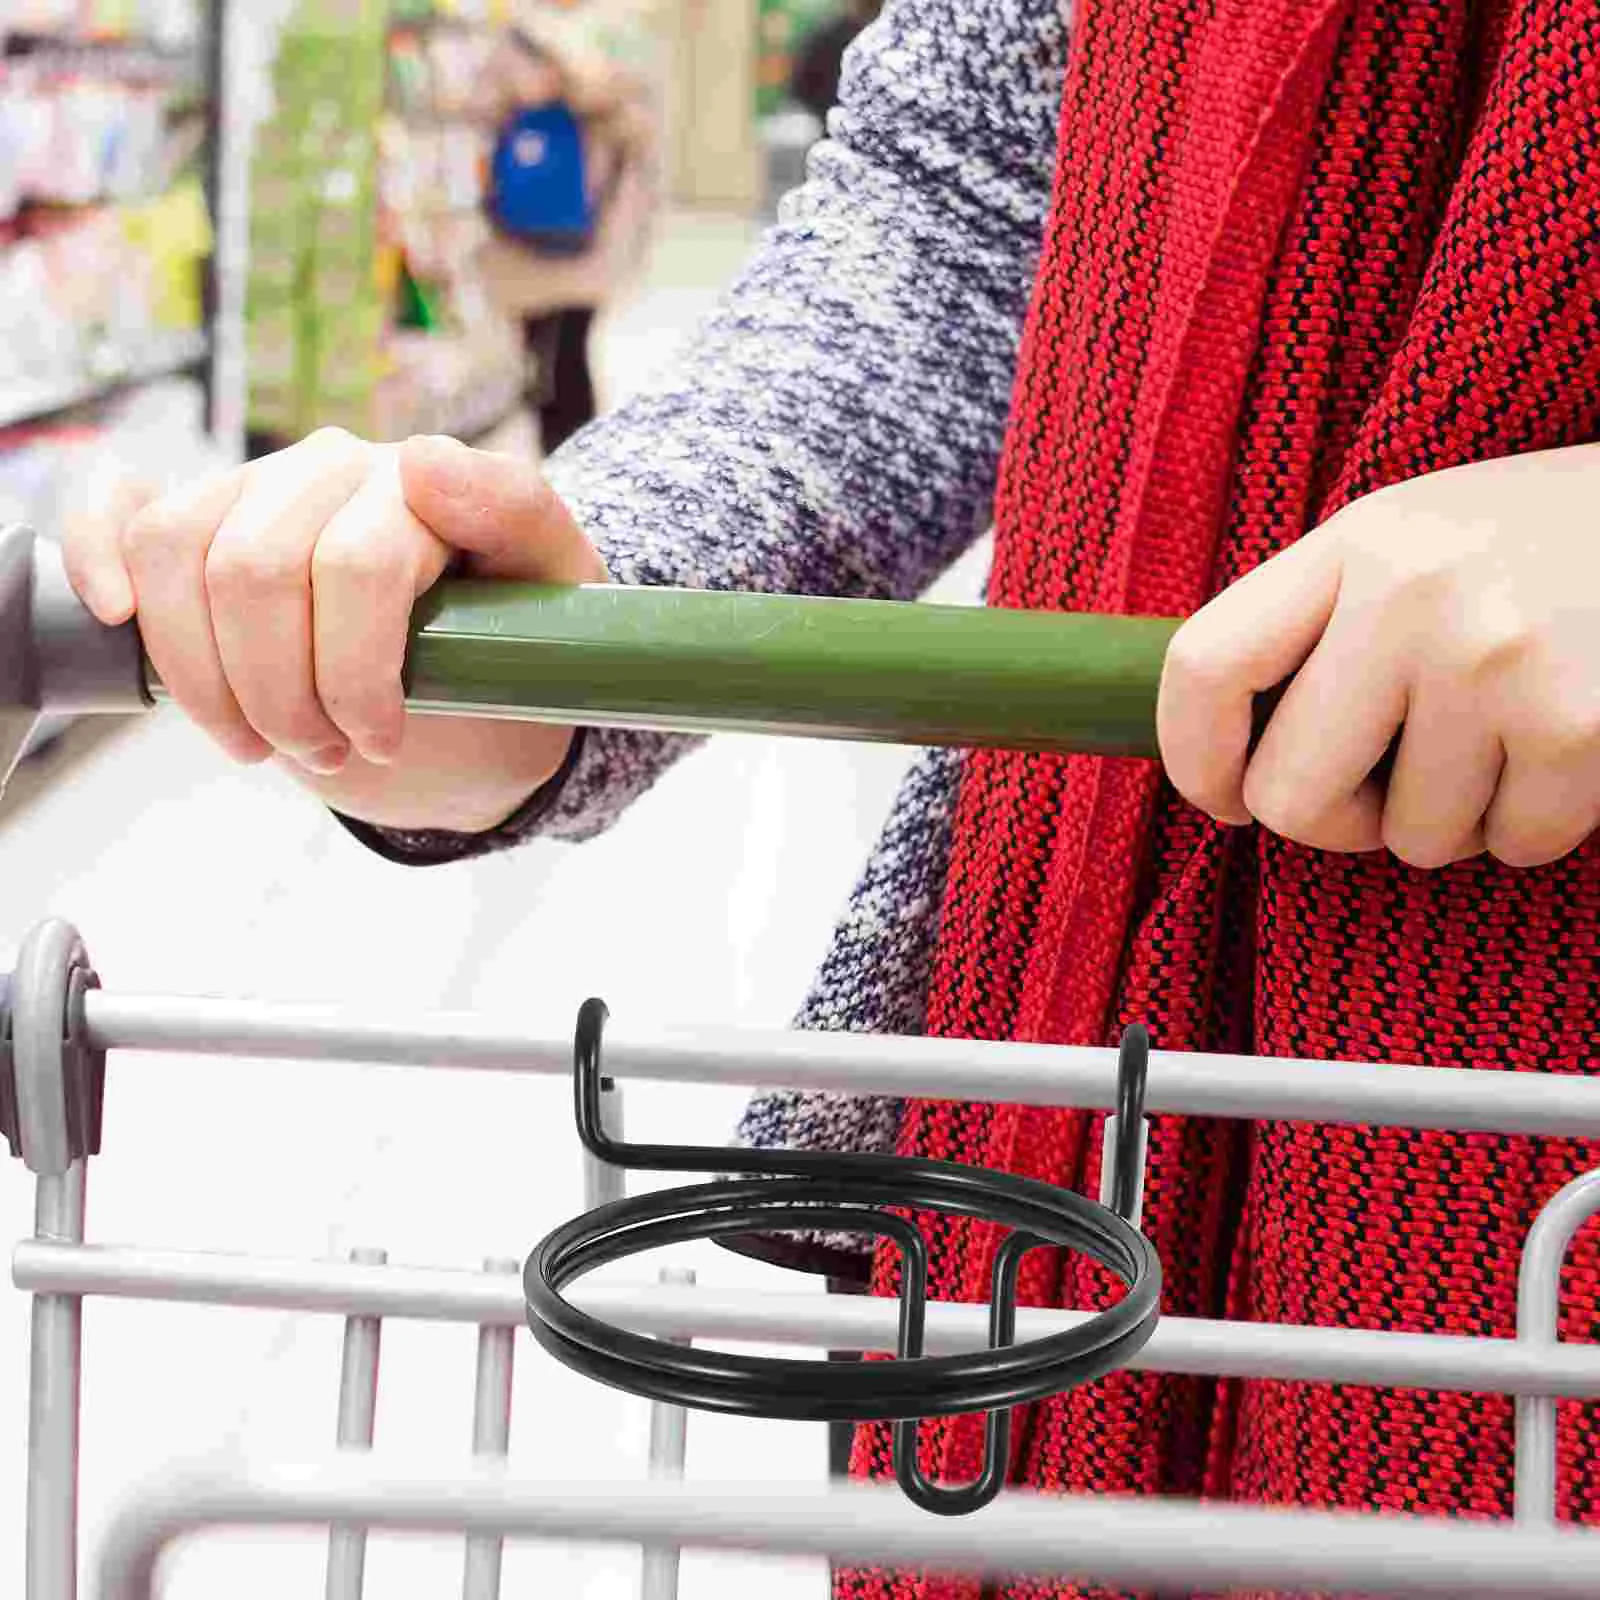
539,190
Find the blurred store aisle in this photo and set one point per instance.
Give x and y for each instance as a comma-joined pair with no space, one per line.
710,903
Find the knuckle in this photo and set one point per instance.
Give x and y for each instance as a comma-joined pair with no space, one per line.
1564,739
1379,526
158,534
1417,849
1423,578
329,449
221,720
248,568
548,509
1391,568
1526,837
1486,650
1206,792
330,440
357,700
365,564
294,723
1274,801
1193,663
242,745
1520,848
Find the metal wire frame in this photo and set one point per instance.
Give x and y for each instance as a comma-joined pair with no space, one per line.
860,1194
1138,1544
1265,1549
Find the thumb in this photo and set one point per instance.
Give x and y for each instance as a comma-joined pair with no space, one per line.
91,544
498,511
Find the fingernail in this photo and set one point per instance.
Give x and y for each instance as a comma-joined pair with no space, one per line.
377,755
326,761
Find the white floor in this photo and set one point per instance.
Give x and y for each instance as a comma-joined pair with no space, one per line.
710,903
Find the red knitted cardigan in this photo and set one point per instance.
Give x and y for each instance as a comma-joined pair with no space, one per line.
1299,249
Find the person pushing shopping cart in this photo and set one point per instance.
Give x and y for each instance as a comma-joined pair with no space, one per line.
1280,317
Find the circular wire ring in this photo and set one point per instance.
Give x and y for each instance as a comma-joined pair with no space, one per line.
857,1193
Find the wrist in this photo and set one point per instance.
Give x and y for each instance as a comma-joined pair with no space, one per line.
454,775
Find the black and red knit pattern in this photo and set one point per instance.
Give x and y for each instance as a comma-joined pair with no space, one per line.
1300,249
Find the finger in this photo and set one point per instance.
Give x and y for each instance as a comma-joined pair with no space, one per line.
499,510
91,550
1444,778
1310,779
164,550
1543,810
258,575
1246,641
374,558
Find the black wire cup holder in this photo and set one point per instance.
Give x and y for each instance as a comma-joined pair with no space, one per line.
777,1191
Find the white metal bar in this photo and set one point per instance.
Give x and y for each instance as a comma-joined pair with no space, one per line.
669,1454
1131,1543
56,1371
358,1413
1563,1105
815,1321
426,1294
1538,1330
491,1435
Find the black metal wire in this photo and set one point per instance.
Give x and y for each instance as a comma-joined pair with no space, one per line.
778,1190
1133,1067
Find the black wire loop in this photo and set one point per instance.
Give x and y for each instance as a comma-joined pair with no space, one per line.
777,1190
1133,1068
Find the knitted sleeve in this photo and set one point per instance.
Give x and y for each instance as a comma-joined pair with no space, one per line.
835,428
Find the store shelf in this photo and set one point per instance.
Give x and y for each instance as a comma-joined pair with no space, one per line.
448,22
22,42
476,413
38,404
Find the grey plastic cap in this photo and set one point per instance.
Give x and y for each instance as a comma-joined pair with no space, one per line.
56,659
19,677
84,667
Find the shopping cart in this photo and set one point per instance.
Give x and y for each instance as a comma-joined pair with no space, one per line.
710,661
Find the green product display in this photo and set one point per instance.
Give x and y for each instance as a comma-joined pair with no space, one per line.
418,307
310,295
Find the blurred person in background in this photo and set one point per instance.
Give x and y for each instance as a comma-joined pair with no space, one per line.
573,121
819,59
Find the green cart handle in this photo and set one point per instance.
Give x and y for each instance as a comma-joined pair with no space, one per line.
685,660
702,660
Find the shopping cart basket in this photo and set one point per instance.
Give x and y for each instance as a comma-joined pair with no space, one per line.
707,661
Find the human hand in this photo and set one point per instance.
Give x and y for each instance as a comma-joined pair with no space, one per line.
274,601
1458,613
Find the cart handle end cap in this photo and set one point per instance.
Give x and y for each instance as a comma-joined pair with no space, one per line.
56,656
52,1080
19,678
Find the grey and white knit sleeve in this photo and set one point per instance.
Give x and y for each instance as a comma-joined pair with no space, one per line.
835,427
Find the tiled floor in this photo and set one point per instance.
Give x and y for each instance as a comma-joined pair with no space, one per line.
710,903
